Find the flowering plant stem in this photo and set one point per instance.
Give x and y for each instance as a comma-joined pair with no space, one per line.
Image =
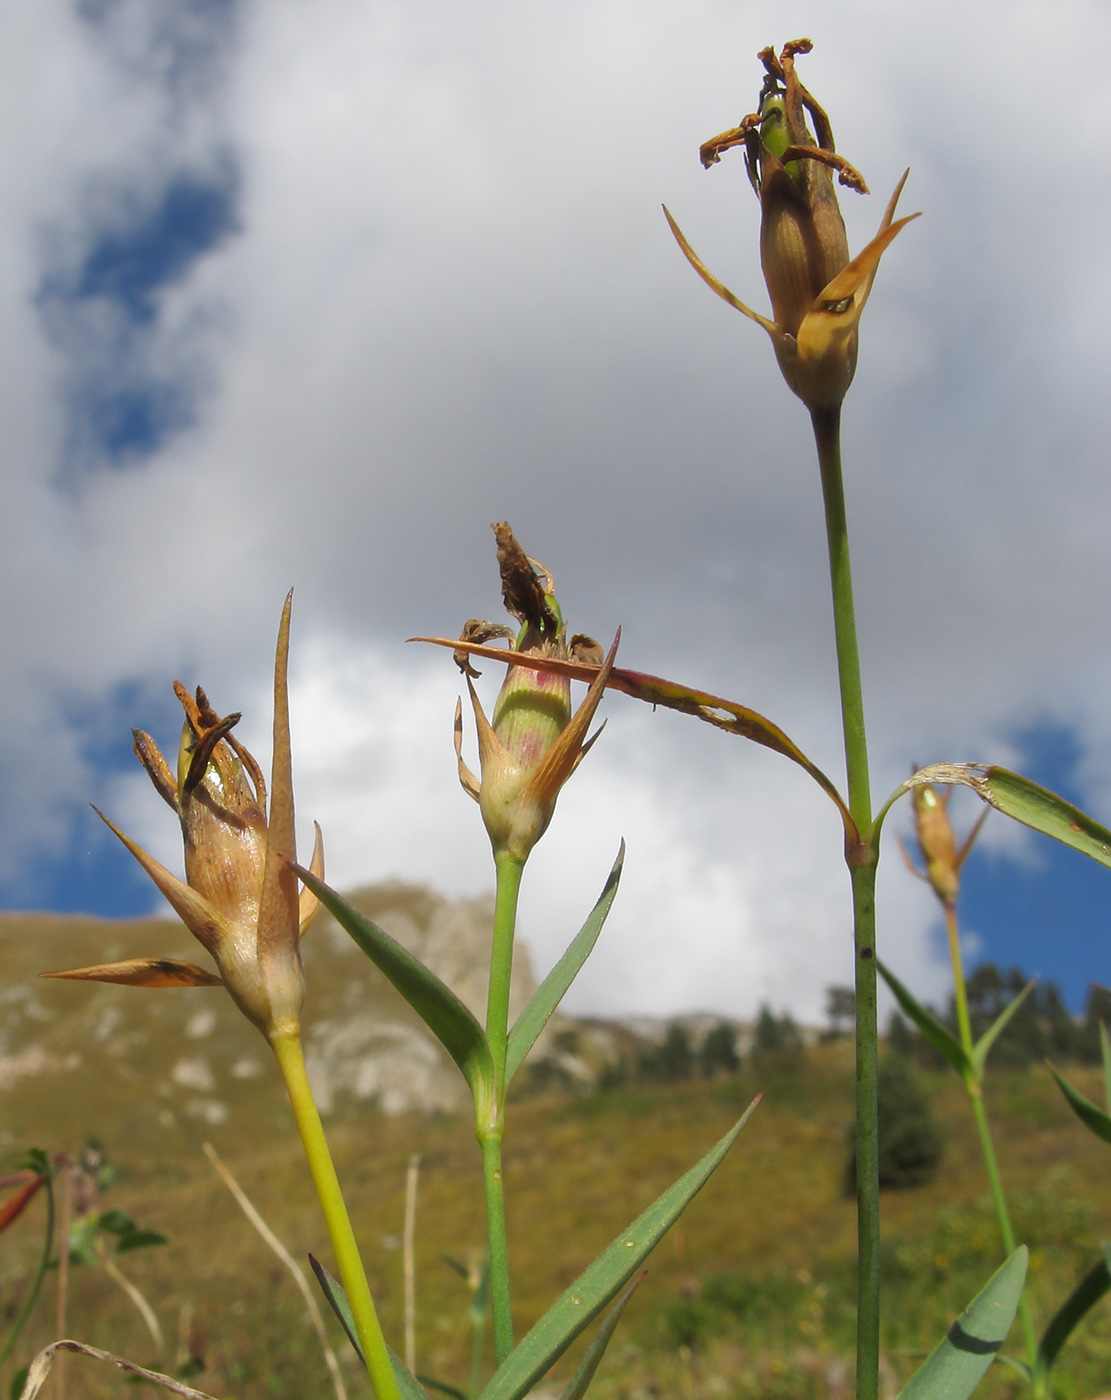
861,858
491,1117
974,1087
291,1061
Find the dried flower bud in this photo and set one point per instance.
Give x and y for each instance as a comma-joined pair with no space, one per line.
240,896
534,743
937,842
817,294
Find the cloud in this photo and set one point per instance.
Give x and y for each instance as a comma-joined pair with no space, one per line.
411,277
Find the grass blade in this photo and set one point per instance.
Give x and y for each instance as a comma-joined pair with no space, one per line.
580,1381
1092,1117
337,1301
247,1206
436,1004
443,1388
332,1289
549,994
991,1035
940,1037
960,1360
1080,1301
546,1342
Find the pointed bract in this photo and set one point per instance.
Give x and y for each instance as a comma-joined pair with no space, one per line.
240,897
143,972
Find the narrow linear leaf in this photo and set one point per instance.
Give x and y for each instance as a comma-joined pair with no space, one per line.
550,993
1033,806
333,1290
1092,1117
430,1383
958,1363
993,1032
654,690
580,1381
940,1037
1087,1293
546,1342
440,1009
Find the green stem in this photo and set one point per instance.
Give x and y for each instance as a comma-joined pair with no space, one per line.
44,1264
827,436
509,872
861,860
291,1062
974,1086
497,1246
491,1118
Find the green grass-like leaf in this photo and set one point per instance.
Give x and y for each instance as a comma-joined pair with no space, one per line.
940,1037
1092,1117
333,1290
1087,1293
546,1342
436,1004
958,1363
991,1035
580,1381
550,993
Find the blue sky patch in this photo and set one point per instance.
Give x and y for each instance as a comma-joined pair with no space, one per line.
123,398
91,872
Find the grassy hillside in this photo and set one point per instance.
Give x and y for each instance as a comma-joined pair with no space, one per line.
750,1295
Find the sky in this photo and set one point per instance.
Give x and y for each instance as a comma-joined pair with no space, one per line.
308,294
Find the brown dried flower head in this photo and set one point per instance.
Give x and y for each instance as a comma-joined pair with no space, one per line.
533,743
239,897
817,293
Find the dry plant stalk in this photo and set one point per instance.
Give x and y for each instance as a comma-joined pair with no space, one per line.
247,1207
410,1272
40,1367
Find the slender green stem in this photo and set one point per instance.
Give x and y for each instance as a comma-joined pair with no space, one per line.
827,436
974,1086
291,1061
861,860
867,1132
44,1264
498,1247
509,872
491,1118
960,991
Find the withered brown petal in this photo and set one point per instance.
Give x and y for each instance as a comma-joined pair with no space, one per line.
521,589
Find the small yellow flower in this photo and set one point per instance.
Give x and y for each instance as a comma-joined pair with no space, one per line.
817,293
534,743
239,897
